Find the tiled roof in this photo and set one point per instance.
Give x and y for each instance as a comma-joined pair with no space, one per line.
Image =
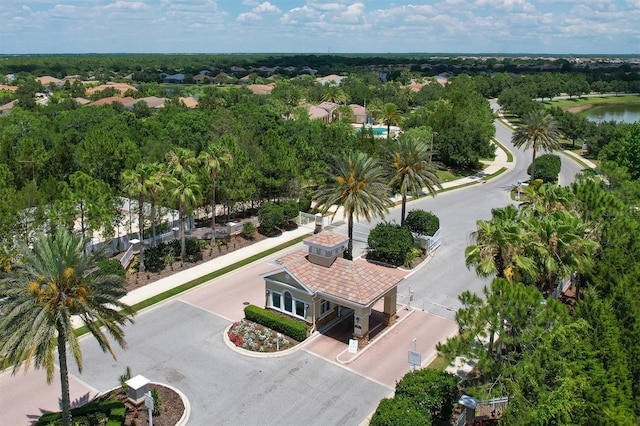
317,112
326,239
112,99
344,279
120,87
189,102
9,88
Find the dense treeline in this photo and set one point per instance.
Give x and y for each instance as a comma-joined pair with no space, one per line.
65,154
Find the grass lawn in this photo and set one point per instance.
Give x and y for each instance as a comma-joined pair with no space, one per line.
594,100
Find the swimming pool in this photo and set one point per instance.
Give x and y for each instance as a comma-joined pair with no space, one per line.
377,131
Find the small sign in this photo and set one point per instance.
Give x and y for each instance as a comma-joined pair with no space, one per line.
353,346
148,401
415,359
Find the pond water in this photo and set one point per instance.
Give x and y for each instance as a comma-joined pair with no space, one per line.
622,113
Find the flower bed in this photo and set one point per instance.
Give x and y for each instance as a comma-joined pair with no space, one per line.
258,338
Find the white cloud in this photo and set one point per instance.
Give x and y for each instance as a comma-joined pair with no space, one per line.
248,16
266,7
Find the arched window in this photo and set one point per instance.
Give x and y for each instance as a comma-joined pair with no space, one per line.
288,302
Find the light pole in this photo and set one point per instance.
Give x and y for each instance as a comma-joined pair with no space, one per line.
431,149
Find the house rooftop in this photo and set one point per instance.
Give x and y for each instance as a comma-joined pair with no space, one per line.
351,281
326,239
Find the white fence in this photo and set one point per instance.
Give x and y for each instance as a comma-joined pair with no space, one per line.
429,243
562,286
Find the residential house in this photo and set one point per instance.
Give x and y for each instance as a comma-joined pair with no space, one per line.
330,79
261,89
189,102
120,87
358,114
317,113
318,286
173,78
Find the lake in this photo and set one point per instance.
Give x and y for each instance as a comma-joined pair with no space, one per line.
623,113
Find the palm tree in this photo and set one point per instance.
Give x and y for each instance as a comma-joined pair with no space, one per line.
411,169
183,186
212,159
390,115
154,185
135,184
539,131
497,247
53,282
335,94
357,183
559,247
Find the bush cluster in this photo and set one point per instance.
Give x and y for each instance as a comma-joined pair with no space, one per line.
155,257
112,266
111,410
547,167
390,243
422,397
281,323
422,222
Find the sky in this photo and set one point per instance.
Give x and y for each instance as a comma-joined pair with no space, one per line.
320,26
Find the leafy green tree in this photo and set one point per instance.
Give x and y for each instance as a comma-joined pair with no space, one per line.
398,412
411,170
183,187
355,182
422,222
538,131
433,392
93,201
270,216
53,282
290,209
390,243
213,158
548,167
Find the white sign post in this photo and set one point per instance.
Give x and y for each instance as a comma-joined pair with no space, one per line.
415,358
353,346
148,402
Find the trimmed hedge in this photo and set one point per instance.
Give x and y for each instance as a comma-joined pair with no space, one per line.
114,410
422,222
398,412
281,323
547,167
390,243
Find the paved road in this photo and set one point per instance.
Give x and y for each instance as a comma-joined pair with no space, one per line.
180,342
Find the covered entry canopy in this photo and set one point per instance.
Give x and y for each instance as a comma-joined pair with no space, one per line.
311,284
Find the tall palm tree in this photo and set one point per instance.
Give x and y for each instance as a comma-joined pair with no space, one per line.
53,282
390,115
183,187
497,247
357,183
135,184
213,158
411,169
539,131
154,185
559,247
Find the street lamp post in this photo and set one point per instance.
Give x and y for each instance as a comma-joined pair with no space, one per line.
431,149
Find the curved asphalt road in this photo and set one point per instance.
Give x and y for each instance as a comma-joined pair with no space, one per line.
180,342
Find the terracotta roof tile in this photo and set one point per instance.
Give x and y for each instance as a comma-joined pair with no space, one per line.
343,279
326,239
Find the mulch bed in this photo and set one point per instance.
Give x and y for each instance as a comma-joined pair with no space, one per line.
140,279
171,408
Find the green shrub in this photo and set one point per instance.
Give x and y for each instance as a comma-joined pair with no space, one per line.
422,222
157,402
154,257
390,243
87,412
398,412
134,266
290,209
112,266
278,322
270,216
547,167
248,230
304,204
432,392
